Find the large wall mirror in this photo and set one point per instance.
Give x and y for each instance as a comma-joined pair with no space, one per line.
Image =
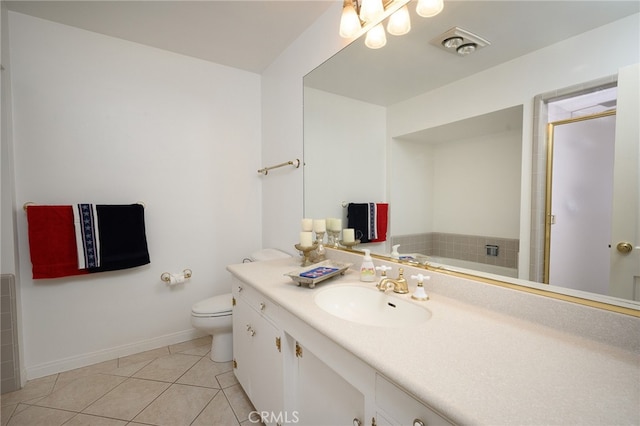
458,145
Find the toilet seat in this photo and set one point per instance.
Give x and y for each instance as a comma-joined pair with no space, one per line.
217,306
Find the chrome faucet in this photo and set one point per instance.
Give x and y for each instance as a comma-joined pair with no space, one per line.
399,285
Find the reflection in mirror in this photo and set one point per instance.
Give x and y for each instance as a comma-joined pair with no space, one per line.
468,176
457,145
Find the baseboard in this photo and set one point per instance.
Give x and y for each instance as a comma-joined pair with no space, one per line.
71,363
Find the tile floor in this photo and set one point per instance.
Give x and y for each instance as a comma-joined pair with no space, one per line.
171,386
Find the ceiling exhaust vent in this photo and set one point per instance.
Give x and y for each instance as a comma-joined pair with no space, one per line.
460,42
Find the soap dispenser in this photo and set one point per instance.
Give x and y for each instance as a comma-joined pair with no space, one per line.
394,252
367,269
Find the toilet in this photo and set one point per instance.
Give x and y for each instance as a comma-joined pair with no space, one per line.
213,315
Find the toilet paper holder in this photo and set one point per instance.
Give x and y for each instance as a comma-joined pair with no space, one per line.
166,276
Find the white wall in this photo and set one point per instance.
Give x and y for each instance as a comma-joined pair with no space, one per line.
466,186
102,120
476,188
411,185
347,138
282,132
7,247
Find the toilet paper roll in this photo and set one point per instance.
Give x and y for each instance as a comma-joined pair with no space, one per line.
175,279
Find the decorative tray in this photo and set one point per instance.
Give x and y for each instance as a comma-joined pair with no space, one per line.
318,272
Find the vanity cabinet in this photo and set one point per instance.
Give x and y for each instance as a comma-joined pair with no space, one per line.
257,353
299,375
323,396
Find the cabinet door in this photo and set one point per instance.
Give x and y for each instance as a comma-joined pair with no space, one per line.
324,397
401,408
267,373
257,359
242,319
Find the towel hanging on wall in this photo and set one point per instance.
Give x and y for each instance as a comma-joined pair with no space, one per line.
123,241
94,238
370,221
52,242
85,221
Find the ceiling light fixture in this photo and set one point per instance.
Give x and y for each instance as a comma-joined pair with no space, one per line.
460,42
366,16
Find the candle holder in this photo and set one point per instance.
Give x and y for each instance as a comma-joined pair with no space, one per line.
306,252
333,240
349,244
319,254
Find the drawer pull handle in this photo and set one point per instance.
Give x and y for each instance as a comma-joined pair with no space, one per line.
418,422
357,422
262,306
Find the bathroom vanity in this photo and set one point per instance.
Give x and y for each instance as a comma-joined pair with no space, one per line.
482,355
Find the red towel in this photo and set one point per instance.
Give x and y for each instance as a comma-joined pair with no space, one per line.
52,242
382,220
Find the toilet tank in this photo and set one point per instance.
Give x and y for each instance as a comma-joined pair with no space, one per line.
267,254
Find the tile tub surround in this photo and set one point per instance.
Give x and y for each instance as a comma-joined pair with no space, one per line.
488,355
458,246
10,368
174,385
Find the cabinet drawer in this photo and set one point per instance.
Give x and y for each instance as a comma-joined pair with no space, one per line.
402,408
253,297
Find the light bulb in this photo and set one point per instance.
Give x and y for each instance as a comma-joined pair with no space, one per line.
400,22
453,42
349,21
429,8
465,49
370,10
376,38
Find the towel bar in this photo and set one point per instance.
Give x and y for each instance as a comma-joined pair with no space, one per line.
31,203
265,170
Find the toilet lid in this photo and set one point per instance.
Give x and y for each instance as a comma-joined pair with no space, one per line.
213,305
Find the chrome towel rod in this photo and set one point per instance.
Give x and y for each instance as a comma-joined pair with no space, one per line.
295,163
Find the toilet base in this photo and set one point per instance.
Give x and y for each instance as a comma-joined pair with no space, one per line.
222,347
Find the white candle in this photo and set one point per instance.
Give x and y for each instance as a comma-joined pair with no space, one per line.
334,224
330,223
319,225
307,224
347,235
305,238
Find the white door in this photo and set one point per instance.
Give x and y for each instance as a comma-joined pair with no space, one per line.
625,267
581,202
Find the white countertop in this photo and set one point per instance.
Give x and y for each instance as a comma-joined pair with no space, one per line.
473,365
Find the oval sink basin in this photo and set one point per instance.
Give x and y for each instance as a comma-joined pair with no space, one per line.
369,306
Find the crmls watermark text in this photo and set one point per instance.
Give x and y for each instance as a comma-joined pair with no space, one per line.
273,417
